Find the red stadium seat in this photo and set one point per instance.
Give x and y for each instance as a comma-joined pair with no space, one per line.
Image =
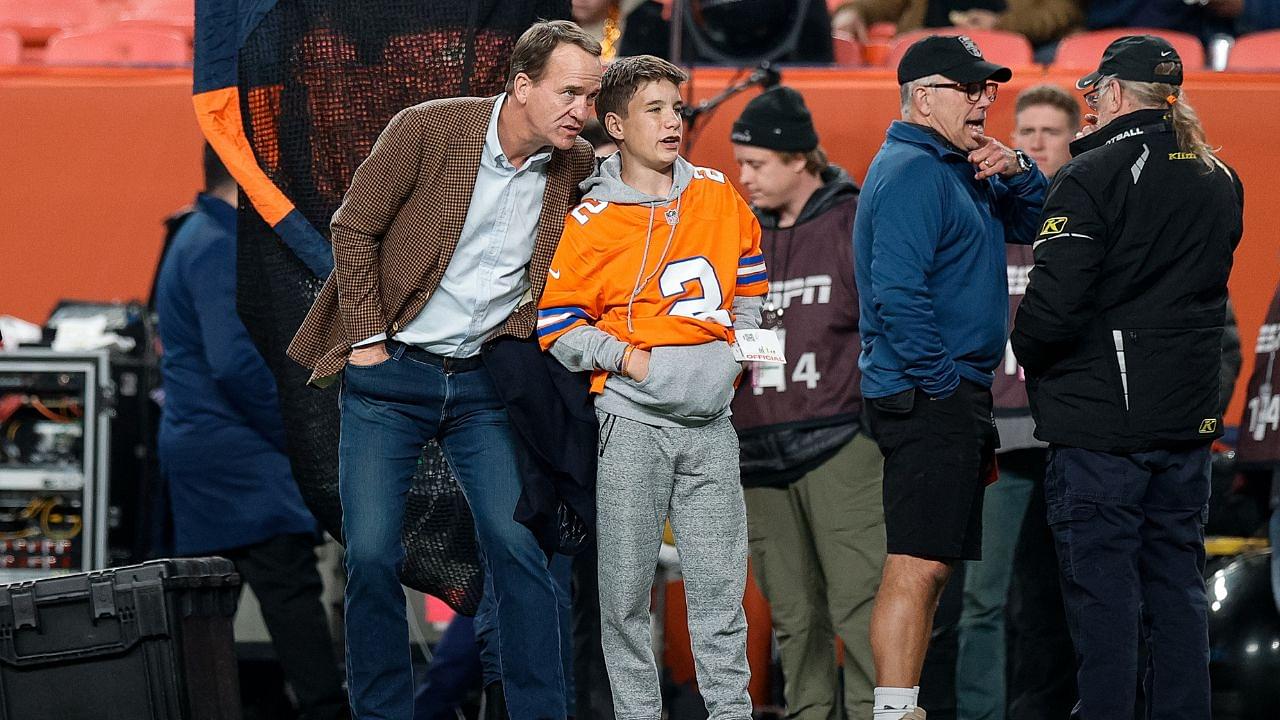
10,47
177,15
848,51
1084,50
879,42
998,46
1256,51
118,45
882,31
36,21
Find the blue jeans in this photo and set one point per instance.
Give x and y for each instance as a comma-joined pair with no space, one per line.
389,411
980,663
1129,529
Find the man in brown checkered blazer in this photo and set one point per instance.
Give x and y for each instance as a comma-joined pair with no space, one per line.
441,243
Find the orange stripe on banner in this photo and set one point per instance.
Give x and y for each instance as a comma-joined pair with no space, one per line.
218,112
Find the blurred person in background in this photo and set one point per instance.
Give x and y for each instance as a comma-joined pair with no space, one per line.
745,30
811,473
222,448
1202,18
1043,22
604,20
1046,118
1247,15
594,696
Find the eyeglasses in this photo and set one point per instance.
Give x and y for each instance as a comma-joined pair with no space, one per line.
1092,97
972,91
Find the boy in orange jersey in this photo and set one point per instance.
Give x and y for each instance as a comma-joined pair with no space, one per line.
656,269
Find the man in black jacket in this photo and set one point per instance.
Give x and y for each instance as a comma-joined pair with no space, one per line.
1120,334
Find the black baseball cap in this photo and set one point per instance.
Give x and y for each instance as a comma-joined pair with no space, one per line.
1140,58
954,57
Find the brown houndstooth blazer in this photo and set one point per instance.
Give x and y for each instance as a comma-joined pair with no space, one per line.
400,221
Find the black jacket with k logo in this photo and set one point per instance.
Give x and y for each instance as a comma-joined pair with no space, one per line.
1120,330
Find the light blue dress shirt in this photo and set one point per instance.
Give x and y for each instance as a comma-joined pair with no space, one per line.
488,273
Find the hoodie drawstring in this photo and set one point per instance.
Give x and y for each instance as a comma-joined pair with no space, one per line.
641,283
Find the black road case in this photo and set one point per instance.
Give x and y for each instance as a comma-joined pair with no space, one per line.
143,642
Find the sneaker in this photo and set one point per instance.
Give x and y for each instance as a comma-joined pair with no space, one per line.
916,713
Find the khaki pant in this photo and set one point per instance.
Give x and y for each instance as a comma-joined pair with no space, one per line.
817,549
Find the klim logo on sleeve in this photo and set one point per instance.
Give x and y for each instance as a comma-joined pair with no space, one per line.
1053,225
1208,425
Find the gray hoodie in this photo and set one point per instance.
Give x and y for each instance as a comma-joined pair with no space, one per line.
687,385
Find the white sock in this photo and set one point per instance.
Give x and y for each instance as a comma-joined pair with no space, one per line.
891,702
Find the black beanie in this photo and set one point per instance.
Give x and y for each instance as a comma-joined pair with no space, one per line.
776,119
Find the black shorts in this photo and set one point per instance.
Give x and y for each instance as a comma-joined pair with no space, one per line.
938,455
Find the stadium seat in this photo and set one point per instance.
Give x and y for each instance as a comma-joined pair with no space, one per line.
997,46
118,45
1256,51
882,31
848,52
176,15
10,47
1084,50
38,20
879,42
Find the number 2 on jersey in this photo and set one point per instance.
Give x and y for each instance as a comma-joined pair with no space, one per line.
675,279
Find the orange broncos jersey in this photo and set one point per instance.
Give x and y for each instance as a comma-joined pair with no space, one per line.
683,296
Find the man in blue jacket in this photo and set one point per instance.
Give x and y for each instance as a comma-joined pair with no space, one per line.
940,201
222,447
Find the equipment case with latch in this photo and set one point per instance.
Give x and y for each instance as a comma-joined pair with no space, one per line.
143,642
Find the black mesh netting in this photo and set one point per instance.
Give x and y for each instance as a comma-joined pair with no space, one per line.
319,79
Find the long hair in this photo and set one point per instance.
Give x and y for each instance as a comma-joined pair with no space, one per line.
1186,123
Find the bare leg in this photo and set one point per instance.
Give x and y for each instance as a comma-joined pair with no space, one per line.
903,617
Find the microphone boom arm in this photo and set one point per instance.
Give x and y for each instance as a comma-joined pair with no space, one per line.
765,76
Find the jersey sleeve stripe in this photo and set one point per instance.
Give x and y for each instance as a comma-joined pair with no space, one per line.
560,312
751,269
554,328
553,319
752,279
751,260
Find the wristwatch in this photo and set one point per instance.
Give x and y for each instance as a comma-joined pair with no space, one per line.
1025,163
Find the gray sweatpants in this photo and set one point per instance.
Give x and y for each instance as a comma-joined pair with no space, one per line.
646,475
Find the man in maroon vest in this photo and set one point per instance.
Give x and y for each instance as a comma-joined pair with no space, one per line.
1259,444
812,476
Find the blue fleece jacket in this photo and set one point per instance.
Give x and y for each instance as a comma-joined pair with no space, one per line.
221,442
930,263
